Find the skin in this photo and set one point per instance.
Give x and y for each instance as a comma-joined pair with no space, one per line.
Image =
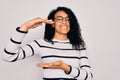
61,30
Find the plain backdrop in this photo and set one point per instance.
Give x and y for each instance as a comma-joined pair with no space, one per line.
100,24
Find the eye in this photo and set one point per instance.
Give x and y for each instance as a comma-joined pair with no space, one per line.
67,19
59,18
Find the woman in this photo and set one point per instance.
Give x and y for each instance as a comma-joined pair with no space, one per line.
62,50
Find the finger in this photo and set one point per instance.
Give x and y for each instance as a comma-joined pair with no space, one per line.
43,65
49,21
37,20
36,25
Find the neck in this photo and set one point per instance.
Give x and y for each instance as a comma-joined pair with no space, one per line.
61,37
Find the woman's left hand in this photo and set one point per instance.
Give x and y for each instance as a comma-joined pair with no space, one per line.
55,65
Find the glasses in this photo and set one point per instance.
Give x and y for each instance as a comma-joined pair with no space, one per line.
60,19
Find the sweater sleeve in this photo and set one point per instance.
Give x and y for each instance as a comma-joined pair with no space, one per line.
14,51
84,71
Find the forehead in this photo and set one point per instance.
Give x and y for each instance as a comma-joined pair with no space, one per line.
61,13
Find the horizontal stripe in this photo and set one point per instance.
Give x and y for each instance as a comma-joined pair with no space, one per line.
84,57
86,76
85,66
31,49
12,54
9,52
17,29
49,56
23,53
78,73
15,58
91,74
58,79
16,42
56,48
69,70
60,42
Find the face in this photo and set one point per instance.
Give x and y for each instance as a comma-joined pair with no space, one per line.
61,25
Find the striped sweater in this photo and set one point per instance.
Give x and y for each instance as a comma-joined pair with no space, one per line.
60,50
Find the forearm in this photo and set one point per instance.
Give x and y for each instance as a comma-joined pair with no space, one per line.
83,72
80,74
13,50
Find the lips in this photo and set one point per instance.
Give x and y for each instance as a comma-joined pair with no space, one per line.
64,27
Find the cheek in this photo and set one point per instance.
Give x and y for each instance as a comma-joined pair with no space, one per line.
68,25
57,24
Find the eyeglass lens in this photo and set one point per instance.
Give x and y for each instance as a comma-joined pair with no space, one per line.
61,19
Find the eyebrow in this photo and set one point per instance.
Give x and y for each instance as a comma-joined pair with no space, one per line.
63,17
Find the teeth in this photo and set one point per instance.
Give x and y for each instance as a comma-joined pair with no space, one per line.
64,26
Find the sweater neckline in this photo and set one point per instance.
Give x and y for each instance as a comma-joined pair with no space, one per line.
56,40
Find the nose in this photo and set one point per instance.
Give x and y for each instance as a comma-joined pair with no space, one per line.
64,20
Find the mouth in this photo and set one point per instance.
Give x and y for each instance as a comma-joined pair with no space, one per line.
64,27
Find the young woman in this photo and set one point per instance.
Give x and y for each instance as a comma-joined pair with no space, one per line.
62,50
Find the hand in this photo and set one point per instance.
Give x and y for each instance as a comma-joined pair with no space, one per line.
55,65
34,23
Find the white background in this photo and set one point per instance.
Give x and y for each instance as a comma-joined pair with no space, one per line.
100,24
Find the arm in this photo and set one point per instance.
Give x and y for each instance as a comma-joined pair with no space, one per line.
81,73
13,51
84,71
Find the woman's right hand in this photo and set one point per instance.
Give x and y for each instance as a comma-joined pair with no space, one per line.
34,23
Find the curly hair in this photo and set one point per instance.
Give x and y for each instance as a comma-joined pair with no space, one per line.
74,35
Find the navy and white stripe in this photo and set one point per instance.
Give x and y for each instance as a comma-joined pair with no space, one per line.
60,50
51,56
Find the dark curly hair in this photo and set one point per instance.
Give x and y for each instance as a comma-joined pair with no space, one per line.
74,34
